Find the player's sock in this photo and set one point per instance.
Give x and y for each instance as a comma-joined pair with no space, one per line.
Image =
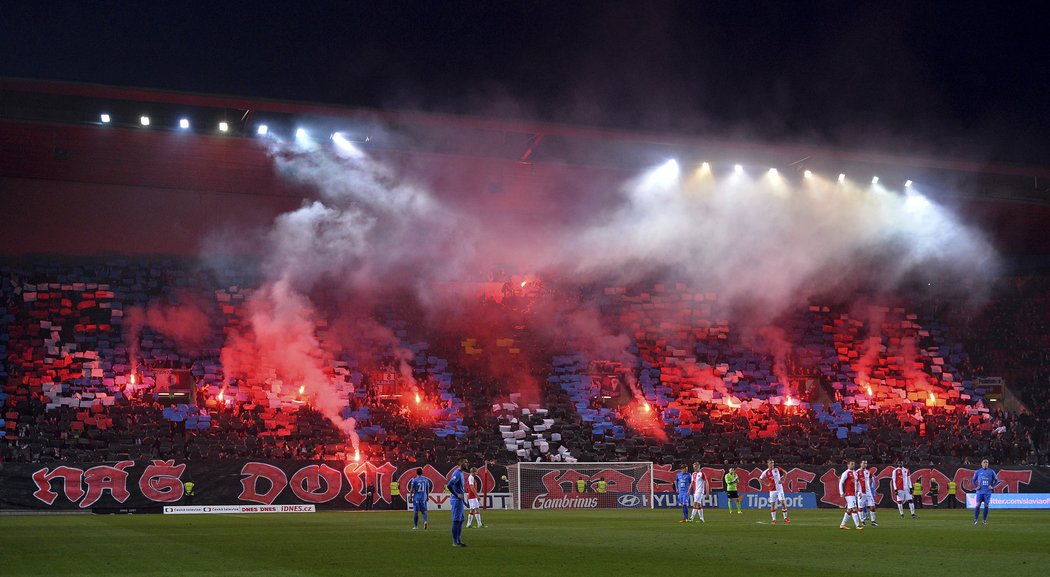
415,518
773,513
685,512
425,519
871,515
845,519
784,513
702,514
457,530
856,520
480,524
911,505
986,513
900,507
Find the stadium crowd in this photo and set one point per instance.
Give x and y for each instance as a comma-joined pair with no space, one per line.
896,382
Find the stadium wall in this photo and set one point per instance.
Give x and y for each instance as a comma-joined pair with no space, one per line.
337,485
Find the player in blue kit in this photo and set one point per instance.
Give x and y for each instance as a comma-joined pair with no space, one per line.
984,480
681,482
456,486
420,488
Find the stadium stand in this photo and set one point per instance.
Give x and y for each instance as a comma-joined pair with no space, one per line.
886,380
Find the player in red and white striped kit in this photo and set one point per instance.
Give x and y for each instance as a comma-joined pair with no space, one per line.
849,488
901,483
472,485
698,486
773,481
866,498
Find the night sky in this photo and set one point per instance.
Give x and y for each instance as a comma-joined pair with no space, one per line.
908,77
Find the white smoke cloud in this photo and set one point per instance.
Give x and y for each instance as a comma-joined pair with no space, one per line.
762,244
767,242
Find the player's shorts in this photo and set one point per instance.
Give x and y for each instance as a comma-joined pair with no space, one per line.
903,495
473,504
866,501
419,504
457,508
851,501
732,495
776,497
683,499
698,499
985,498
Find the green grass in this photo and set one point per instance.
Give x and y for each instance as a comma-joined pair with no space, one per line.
535,543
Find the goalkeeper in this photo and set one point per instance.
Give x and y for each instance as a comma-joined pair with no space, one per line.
731,480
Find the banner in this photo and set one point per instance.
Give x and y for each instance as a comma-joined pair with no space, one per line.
145,485
440,501
585,486
823,482
760,500
1014,501
662,500
127,485
221,509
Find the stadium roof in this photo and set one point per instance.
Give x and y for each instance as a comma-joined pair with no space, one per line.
506,139
53,132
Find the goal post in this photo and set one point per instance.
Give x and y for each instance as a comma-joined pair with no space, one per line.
611,485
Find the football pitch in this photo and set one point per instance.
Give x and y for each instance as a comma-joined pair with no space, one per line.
535,543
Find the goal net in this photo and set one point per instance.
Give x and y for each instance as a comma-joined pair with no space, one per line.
581,485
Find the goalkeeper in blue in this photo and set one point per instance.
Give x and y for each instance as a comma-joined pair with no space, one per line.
456,487
681,483
984,480
419,487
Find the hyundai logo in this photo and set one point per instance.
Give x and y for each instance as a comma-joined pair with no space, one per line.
629,500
